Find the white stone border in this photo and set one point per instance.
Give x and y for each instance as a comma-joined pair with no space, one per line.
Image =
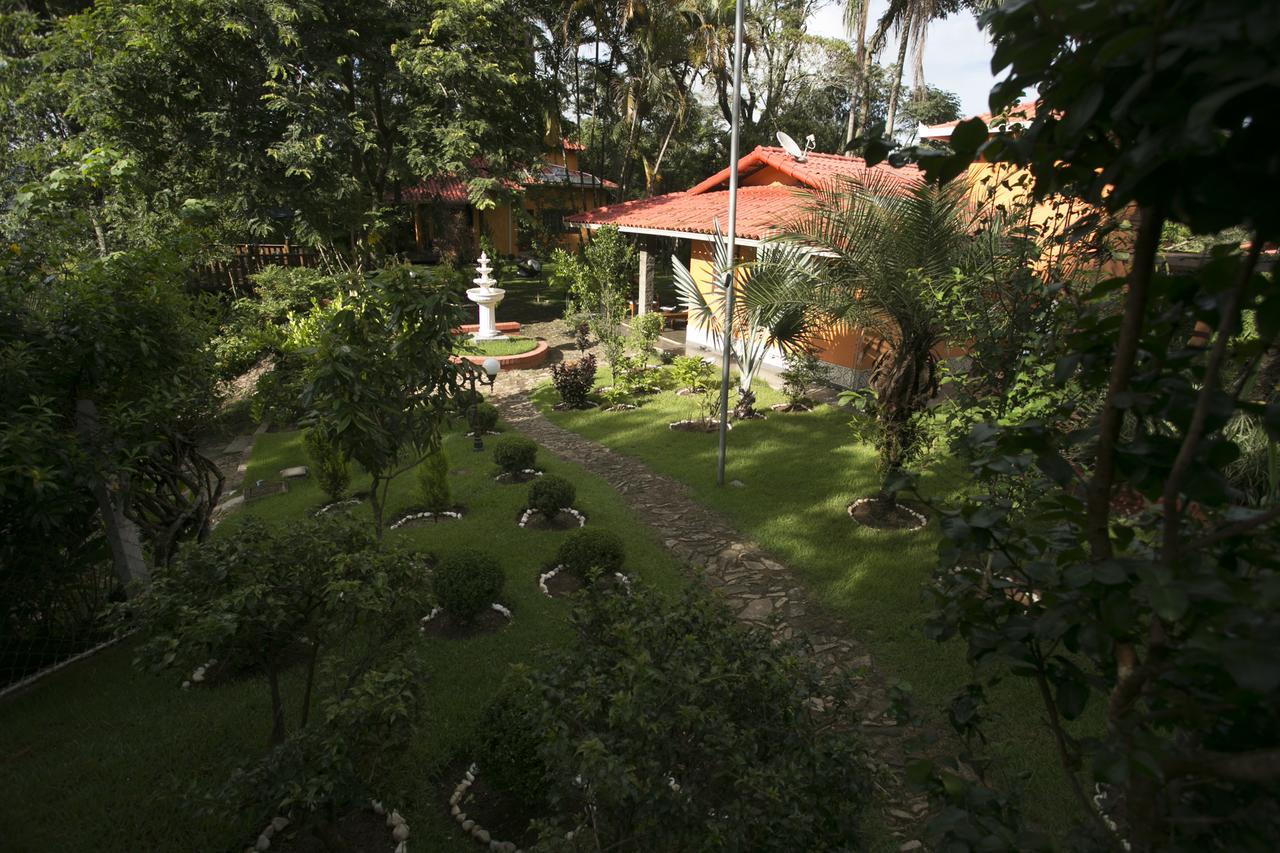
918,515
546,576
530,513
676,425
472,433
469,824
399,826
534,472
338,505
263,841
418,515
197,674
436,611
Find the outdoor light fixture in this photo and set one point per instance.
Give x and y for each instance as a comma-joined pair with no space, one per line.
486,375
727,353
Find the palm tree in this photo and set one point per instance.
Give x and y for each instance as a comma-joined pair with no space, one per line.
884,252
775,306
910,19
856,13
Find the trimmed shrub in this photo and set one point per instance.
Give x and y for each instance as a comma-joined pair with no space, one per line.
550,494
515,453
330,467
466,583
574,380
506,750
689,371
647,328
589,552
485,417
433,482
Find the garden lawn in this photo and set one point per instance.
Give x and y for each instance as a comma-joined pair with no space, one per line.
791,478
98,757
501,346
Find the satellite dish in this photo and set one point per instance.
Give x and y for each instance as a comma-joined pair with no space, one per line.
789,145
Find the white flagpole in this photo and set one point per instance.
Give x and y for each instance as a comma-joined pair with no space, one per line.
727,328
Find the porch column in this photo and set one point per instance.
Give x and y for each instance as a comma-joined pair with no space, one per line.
648,259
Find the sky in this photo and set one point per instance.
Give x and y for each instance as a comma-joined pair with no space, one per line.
957,55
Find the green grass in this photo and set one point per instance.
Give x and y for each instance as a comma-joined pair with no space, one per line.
504,346
799,472
97,757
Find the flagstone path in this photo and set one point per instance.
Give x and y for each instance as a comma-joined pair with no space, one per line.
759,589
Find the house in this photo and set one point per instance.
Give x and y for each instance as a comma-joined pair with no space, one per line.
1015,117
773,190
444,218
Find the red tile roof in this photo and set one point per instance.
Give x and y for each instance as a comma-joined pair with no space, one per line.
1024,111
447,190
763,211
814,171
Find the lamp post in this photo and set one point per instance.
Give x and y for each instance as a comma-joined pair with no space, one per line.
727,354
486,375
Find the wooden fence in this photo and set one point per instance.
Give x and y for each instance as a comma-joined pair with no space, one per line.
232,274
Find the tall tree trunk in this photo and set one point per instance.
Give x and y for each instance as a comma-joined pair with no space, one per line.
904,35
122,534
856,92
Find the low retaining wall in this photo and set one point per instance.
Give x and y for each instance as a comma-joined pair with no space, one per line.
535,357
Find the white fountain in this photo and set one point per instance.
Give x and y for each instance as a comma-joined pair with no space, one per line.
487,297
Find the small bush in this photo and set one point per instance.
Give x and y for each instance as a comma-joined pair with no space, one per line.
689,371
466,583
329,466
647,328
589,552
507,751
485,417
804,370
550,494
574,380
515,453
433,482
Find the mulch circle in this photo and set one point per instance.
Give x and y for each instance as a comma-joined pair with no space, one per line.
362,830
696,426
886,515
562,521
689,392
565,407
445,627
791,407
512,478
407,520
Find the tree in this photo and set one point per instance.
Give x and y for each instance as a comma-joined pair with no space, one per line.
910,19
383,379
315,117
886,249
772,307
599,282
1137,577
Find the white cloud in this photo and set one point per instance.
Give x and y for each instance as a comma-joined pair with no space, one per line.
957,54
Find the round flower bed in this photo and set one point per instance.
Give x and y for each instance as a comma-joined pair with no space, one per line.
696,426
886,515
339,505
530,515
524,475
438,623
413,518
557,582
469,824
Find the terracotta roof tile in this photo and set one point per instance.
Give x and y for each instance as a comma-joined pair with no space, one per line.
814,171
762,211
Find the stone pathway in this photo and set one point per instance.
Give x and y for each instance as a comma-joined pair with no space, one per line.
760,590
